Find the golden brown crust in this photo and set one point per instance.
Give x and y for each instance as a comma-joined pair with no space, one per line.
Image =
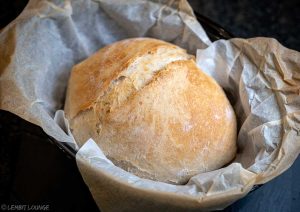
91,78
167,123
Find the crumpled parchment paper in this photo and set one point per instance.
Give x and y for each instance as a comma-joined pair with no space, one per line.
261,78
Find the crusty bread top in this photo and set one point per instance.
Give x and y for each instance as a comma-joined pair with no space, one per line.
101,75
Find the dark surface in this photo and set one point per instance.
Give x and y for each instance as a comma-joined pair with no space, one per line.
33,171
244,18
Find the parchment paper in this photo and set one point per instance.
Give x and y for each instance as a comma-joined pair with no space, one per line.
261,77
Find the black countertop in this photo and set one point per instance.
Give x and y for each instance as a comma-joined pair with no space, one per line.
256,18
34,171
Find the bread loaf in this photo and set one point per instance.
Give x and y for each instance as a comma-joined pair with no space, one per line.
151,110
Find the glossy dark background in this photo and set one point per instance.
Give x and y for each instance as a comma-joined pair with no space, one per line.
34,171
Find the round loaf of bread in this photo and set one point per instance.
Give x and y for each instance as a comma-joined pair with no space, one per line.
151,110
